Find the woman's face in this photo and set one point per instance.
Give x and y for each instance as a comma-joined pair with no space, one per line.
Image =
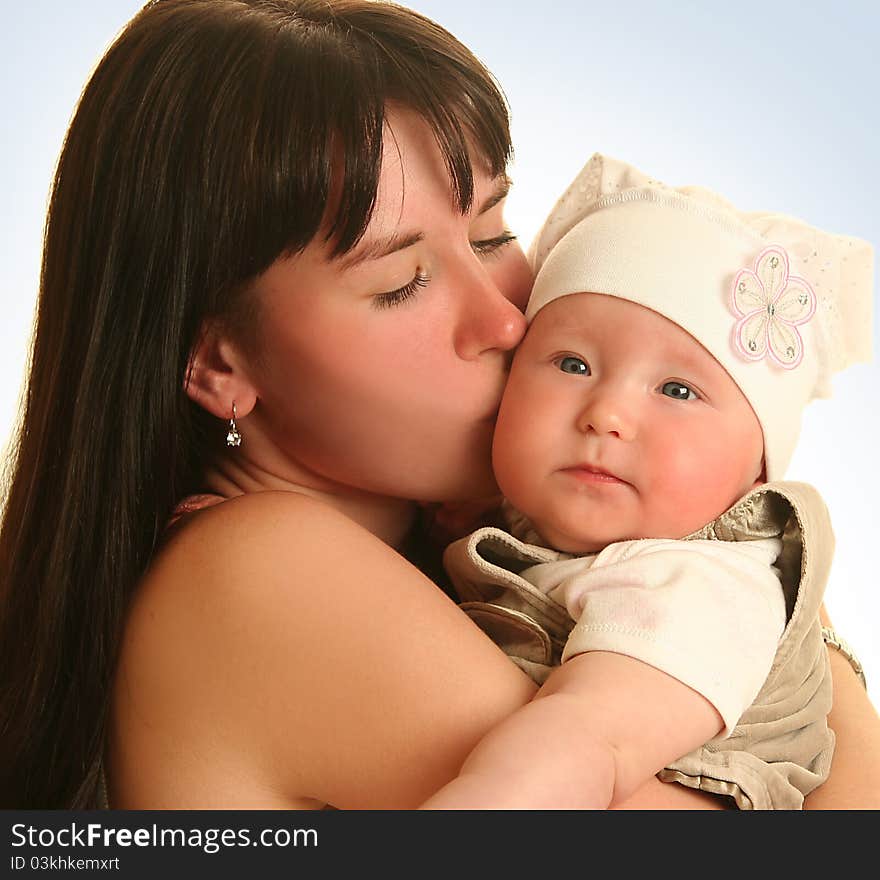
383,369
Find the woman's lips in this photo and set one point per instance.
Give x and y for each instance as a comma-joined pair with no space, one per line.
588,474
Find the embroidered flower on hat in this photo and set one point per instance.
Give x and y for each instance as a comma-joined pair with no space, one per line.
771,304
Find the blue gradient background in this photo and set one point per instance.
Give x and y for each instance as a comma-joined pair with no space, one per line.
773,104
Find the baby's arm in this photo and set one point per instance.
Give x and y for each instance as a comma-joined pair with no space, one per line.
600,726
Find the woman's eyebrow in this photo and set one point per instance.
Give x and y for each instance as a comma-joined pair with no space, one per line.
381,247
400,241
502,188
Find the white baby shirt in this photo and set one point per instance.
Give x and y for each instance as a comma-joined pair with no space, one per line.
709,613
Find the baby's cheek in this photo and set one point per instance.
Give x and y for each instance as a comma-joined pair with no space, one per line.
511,453
524,453
691,486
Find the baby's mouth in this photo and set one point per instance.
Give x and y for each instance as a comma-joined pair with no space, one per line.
589,473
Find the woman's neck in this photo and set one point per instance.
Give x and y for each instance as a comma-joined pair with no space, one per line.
389,519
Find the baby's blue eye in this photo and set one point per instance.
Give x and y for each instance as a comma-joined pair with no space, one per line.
573,365
679,391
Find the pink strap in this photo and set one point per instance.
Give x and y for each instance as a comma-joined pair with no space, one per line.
192,503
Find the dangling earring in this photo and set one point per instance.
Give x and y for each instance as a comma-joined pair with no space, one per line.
233,438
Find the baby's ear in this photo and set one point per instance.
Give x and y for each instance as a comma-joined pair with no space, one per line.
218,374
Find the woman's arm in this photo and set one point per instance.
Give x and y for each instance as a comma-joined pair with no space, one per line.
854,782
278,652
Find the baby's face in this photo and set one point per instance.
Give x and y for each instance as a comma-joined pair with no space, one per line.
617,424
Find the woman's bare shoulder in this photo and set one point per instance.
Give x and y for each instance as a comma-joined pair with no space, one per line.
280,560
302,650
279,552
275,521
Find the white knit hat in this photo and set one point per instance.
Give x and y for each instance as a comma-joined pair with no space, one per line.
781,305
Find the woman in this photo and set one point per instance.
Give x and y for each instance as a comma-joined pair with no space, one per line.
279,222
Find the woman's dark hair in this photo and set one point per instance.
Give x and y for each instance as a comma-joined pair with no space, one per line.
201,151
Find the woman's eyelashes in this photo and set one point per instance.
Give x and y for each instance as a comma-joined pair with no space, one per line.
489,246
396,297
483,248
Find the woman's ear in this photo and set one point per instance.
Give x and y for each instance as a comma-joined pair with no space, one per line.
218,375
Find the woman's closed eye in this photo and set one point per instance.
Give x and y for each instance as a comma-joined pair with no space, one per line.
396,297
489,246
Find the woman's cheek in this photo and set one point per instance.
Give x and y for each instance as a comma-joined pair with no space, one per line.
512,275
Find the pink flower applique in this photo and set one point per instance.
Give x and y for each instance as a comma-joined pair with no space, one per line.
771,304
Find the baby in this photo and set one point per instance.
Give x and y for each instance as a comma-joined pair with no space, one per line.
650,412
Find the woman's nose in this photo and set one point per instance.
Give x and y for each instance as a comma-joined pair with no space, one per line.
608,412
487,320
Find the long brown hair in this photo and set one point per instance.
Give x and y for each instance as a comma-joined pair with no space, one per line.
199,153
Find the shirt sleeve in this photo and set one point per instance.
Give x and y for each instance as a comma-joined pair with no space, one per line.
709,613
